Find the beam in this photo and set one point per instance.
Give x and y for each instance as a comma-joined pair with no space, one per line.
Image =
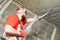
4,8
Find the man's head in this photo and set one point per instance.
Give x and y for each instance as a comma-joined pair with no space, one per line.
22,13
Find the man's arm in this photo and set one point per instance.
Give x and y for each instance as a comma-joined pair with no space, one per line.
11,31
32,19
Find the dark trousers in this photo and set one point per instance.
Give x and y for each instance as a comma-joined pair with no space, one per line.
5,39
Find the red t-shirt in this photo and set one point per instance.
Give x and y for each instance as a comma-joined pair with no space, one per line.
13,20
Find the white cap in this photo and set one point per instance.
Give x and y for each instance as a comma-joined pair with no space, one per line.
21,11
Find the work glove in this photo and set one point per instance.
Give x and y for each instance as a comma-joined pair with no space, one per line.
23,34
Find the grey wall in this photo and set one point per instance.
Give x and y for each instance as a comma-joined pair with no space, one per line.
37,5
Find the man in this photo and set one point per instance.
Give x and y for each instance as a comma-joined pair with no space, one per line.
14,25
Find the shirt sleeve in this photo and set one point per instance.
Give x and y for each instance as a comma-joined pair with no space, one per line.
11,21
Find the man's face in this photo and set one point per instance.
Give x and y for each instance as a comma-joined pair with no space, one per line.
23,16
22,13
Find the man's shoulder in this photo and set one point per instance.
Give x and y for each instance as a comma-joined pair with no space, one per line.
12,17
